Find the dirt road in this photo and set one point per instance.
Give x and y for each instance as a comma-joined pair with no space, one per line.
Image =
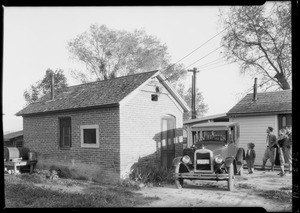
262,189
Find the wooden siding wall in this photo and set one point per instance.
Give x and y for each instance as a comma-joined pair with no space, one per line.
253,129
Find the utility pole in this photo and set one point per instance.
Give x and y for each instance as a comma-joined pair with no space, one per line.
193,99
193,92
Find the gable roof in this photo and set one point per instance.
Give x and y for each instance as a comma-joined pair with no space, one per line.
12,135
267,102
95,94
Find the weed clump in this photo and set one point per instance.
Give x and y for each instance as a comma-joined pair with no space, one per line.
148,173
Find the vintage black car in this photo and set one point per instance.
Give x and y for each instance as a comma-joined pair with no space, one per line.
215,154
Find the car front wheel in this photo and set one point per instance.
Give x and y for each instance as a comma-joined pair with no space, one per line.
230,178
179,183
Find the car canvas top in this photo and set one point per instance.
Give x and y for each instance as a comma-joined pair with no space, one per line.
213,126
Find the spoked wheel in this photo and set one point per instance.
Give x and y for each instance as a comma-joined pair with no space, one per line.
230,179
179,183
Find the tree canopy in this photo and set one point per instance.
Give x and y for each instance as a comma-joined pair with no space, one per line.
43,87
109,53
201,107
258,38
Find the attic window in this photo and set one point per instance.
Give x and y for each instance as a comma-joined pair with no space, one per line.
154,97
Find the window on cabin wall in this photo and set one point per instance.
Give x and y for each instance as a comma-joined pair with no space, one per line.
65,132
283,121
89,135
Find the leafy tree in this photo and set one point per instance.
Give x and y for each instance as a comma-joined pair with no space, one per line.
42,87
186,94
259,39
109,53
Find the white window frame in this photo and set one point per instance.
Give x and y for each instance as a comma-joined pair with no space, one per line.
82,127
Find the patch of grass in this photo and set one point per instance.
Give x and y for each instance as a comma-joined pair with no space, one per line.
245,186
23,194
147,173
34,178
286,188
281,196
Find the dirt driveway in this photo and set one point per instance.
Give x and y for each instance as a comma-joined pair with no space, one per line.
262,189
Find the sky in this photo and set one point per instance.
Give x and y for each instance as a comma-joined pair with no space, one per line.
35,39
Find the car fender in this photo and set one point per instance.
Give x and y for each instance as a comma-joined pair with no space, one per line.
228,161
181,168
240,155
176,161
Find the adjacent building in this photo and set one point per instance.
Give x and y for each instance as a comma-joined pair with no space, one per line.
13,139
257,111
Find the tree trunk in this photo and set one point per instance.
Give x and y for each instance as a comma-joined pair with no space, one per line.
283,82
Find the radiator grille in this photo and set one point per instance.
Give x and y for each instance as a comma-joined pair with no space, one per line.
203,156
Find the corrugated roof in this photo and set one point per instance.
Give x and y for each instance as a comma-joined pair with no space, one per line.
267,102
99,93
13,135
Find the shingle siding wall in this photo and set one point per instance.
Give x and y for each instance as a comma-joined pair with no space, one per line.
253,129
41,134
140,128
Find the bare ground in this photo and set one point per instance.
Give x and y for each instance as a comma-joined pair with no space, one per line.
261,189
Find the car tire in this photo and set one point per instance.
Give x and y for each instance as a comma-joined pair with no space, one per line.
179,183
230,178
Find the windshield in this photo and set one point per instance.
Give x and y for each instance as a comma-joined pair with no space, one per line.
214,135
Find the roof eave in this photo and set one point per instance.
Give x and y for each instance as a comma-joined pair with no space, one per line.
70,110
259,113
173,92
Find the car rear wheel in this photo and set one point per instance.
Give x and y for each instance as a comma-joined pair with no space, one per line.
179,183
230,179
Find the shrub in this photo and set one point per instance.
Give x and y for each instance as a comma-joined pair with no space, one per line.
147,173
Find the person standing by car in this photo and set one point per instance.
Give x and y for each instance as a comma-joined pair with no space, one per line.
282,141
287,150
250,157
270,148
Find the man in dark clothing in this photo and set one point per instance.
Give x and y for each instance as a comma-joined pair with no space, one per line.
270,149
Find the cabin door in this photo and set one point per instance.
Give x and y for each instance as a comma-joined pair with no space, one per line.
167,141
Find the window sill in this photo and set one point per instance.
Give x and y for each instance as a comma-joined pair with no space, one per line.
90,145
64,148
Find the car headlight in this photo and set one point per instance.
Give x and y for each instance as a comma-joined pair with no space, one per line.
186,159
218,159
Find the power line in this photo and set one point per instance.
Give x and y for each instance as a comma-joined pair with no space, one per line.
204,56
198,48
219,60
216,67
